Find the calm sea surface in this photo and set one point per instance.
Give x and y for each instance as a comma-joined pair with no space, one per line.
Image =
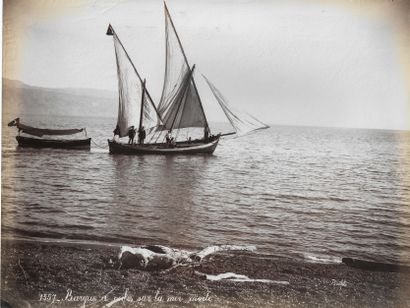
293,192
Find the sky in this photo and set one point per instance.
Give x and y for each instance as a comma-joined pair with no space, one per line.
335,63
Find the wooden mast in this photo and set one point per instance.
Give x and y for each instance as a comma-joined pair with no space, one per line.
142,105
186,61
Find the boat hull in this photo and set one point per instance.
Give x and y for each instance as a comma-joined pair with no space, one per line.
79,144
162,148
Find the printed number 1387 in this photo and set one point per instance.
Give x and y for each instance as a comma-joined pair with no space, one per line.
47,297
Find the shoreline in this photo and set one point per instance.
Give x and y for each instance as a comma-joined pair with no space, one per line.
43,274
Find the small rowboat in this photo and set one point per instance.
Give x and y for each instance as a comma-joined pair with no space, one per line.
38,140
76,144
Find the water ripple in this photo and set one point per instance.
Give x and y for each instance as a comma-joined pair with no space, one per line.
292,192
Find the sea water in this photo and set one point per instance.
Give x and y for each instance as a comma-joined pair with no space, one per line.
304,193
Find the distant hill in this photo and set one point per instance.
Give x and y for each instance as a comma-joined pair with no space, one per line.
20,98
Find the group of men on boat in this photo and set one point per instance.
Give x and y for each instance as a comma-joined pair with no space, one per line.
169,139
142,134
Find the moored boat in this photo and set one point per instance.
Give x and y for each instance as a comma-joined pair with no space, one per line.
46,138
77,144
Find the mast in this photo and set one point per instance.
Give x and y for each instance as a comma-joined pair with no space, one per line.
111,32
186,61
142,105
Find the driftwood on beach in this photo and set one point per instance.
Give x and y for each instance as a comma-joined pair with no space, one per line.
156,257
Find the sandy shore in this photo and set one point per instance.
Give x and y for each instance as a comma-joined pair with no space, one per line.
35,274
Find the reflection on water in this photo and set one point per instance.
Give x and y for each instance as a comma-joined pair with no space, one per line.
159,189
292,192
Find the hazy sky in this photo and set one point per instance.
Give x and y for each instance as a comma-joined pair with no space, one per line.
322,63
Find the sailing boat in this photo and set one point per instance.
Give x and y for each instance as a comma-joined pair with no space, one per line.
180,111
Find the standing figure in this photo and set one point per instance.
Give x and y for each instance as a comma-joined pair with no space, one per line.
117,131
131,134
206,133
141,135
168,137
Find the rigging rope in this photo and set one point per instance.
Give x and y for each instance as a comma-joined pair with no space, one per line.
159,135
98,145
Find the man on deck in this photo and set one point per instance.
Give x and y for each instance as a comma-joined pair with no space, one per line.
206,133
117,131
131,135
141,135
168,137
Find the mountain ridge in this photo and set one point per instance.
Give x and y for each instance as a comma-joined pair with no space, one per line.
19,97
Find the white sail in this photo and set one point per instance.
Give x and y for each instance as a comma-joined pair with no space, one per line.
130,90
176,68
242,122
192,114
180,105
150,117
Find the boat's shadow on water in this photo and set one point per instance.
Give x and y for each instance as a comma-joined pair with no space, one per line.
163,194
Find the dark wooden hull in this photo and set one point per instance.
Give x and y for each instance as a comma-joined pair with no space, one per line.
163,149
79,144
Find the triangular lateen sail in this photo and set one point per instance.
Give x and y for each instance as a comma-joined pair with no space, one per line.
150,119
174,109
192,114
176,68
180,105
130,90
242,122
